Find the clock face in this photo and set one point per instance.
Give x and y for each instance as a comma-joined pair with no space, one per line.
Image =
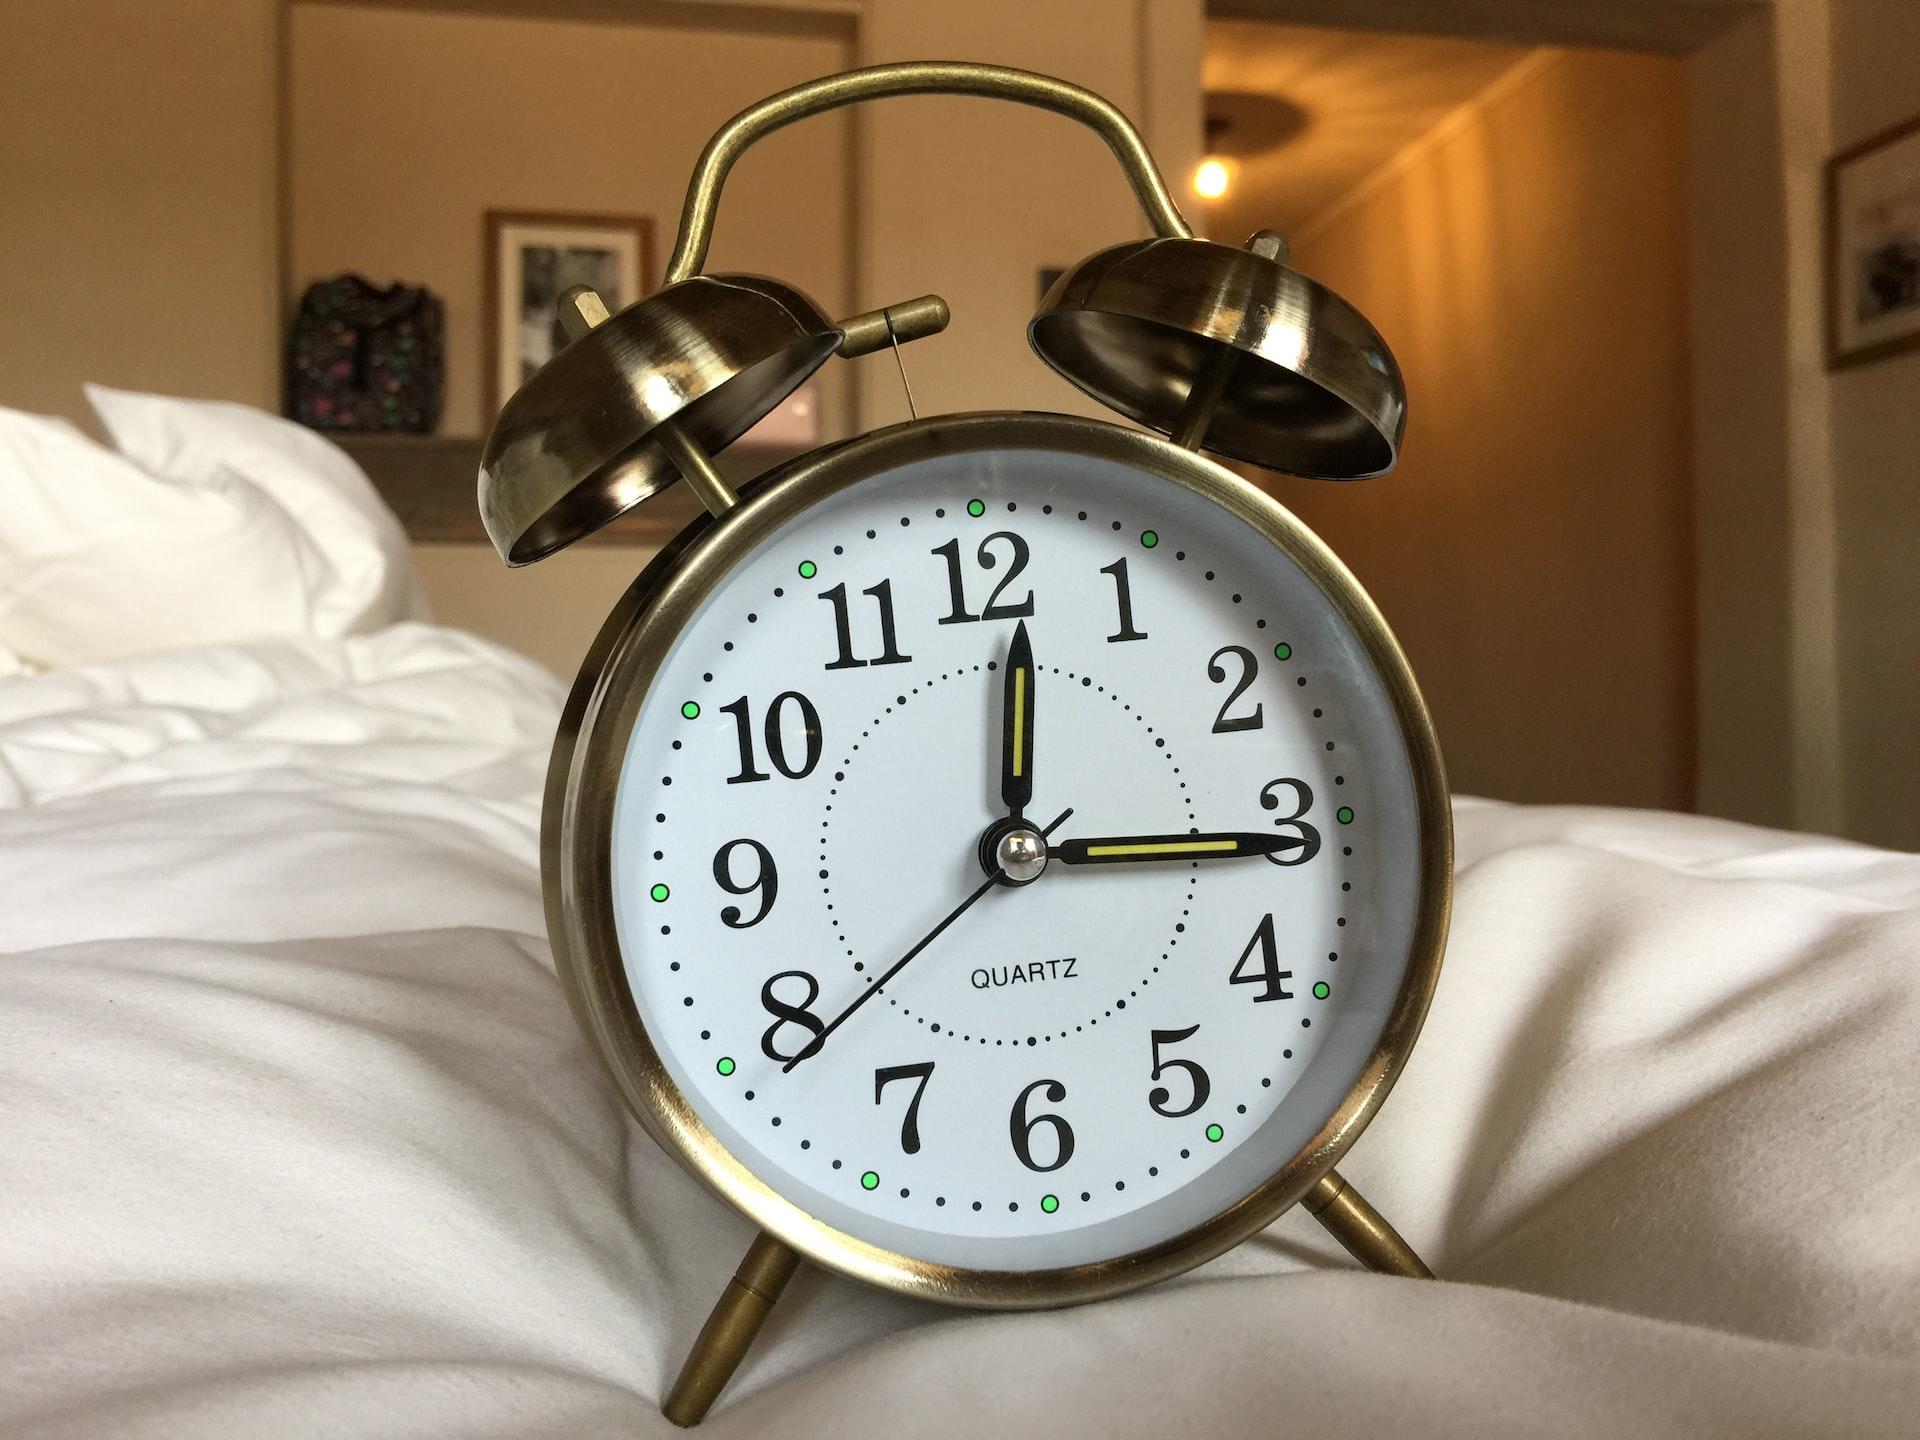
806,835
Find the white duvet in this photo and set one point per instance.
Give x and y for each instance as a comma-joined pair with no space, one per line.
297,1137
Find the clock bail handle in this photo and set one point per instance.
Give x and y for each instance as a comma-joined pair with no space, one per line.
925,77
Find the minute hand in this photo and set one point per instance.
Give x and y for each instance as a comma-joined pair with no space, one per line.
1132,849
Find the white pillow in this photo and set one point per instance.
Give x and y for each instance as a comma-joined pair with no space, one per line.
221,524
372,582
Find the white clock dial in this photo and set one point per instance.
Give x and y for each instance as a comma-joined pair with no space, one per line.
1074,1068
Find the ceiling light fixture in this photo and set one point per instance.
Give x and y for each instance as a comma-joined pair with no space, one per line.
1213,177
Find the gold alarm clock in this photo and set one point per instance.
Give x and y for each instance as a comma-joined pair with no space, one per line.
1004,856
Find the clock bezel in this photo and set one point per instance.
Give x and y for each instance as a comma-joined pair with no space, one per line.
576,848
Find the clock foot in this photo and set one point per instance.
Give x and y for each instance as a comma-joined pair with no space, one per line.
1361,1228
742,1309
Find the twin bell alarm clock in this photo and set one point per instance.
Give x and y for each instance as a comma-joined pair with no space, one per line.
1004,856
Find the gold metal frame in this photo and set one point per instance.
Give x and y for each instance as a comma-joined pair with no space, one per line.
1220,307
577,832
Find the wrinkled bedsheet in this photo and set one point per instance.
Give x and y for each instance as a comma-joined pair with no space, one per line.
297,1137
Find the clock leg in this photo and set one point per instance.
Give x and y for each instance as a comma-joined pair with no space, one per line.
1361,1228
742,1309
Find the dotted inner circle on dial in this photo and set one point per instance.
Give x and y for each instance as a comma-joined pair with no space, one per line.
1023,1037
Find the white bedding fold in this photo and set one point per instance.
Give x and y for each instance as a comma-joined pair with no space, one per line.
299,1137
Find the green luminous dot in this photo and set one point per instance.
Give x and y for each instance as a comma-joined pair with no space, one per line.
725,1067
691,709
659,892
1215,1134
1343,815
1320,990
808,569
976,508
1049,1203
870,1181
1149,538
1283,651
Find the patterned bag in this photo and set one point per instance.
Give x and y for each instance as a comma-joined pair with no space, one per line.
363,358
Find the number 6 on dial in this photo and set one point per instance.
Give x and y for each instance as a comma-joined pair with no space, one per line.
1022,1126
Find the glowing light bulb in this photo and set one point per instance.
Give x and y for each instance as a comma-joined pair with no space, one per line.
1211,179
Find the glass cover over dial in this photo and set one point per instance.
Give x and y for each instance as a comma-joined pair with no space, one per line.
1015,859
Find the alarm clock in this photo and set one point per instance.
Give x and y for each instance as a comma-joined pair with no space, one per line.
1004,856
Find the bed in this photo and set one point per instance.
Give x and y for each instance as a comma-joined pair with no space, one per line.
300,1139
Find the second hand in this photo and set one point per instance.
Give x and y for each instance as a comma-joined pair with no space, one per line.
808,1051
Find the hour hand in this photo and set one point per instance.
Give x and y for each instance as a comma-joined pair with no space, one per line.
1133,849
1016,725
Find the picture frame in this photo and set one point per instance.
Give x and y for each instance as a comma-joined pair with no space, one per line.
1873,247
529,258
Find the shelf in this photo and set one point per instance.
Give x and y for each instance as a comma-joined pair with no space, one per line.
429,482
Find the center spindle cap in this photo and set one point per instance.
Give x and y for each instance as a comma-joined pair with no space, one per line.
1021,855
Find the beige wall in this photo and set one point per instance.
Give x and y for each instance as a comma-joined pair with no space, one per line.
1737,275
407,126
137,199
1810,672
1876,475
1809,519
1533,549
859,209
972,199
550,611
149,255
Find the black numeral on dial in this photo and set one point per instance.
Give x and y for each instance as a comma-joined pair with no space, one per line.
1268,974
988,561
1124,595
786,1013
1021,1127
1223,723
775,734
843,627
765,882
1160,1097
909,1126
1308,837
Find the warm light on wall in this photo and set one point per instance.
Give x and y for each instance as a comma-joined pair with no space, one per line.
1211,178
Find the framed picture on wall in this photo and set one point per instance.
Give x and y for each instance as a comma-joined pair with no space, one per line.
531,258
1873,247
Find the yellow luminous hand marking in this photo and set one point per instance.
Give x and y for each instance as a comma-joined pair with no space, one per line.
1189,847
1019,720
